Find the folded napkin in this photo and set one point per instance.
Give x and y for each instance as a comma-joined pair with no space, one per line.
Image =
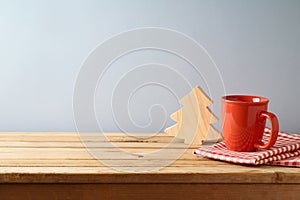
286,151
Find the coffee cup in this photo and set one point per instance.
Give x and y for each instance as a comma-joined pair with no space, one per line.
244,120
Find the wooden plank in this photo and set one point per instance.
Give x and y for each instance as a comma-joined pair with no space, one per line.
111,176
94,134
150,191
147,145
94,137
114,134
48,161
96,163
82,153
205,169
198,174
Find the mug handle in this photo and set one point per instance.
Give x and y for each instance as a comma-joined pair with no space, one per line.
274,130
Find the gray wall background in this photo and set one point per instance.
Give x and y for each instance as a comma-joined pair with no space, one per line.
255,44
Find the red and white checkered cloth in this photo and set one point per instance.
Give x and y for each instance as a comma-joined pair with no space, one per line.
286,151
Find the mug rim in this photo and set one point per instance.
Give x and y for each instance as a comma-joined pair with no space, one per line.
245,99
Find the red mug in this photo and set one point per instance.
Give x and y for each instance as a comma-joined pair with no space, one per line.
244,120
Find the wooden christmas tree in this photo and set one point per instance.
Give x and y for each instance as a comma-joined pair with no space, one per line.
194,119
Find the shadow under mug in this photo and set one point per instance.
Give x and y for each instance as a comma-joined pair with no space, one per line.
244,120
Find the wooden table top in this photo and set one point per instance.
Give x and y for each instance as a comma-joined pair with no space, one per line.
61,157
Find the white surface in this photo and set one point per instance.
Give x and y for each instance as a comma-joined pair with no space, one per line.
255,44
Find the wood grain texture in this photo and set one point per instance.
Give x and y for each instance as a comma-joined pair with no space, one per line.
149,191
194,119
37,165
49,158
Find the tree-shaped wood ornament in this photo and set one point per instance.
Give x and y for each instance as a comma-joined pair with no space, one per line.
194,119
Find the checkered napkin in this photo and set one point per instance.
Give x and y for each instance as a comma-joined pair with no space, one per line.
286,151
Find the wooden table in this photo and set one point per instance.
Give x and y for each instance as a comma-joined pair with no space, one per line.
55,165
